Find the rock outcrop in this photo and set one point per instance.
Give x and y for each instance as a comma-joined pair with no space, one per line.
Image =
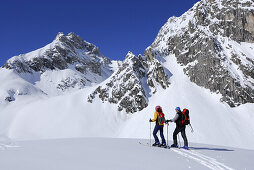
129,87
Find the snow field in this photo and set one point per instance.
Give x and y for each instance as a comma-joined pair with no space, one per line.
111,153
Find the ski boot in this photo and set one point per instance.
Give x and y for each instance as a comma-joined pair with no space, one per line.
174,146
186,147
163,145
156,144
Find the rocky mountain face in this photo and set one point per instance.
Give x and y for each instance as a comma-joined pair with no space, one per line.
213,41
68,63
63,52
130,86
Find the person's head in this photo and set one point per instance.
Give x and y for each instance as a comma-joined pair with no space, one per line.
178,109
158,109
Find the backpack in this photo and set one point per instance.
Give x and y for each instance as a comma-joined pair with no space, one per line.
185,117
161,118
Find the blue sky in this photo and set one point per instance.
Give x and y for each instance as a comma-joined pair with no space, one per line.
115,26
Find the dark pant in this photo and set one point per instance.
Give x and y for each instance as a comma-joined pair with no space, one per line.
182,130
156,129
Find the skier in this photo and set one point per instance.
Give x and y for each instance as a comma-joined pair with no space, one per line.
159,119
179,128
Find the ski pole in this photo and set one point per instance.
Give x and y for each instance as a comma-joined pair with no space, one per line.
179,140
167,134
150,133
191,128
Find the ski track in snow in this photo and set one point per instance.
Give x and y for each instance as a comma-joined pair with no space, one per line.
202,159
5,146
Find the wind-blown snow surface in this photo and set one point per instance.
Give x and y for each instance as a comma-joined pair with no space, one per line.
109,153
70,115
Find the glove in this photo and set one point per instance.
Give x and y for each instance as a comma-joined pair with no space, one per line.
150,120
170,120
167,121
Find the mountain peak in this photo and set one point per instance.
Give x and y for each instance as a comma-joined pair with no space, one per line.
213,42
129,57
68,63
73,36
63,51
59,35
70,35
130,54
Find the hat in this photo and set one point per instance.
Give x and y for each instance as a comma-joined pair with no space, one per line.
158,108
178,109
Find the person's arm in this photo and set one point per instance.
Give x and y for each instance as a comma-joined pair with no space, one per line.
155,116
175,118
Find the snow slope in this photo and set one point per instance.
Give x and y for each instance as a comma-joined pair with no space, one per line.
109,153
62,116
70,115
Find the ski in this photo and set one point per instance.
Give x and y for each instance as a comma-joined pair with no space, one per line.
164,147
147,144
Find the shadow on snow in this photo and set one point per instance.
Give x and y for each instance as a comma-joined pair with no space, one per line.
211,149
